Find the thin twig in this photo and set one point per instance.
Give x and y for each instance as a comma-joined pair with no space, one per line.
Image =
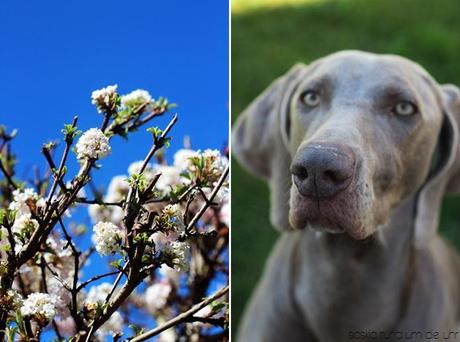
7,175
58,176
56,276
76,264
107,299
95,201
52,167
207,204
105,123
89,281
158,144
43,266
181,317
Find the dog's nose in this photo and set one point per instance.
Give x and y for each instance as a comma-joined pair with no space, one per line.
323,171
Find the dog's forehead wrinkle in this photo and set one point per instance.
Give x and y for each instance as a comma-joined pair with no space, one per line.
355,74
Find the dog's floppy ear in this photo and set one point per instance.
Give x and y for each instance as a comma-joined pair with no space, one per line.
259,141
445,177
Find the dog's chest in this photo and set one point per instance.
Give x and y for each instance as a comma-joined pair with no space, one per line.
339,295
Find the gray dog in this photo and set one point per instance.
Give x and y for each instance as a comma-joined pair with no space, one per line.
359,150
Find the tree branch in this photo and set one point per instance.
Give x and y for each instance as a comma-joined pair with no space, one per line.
181,317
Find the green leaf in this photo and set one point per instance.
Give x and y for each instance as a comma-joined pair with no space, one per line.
217,306
156,132
70,132
11,331
137,330
3,215
118,264
5,248
167,142
137,181
20,322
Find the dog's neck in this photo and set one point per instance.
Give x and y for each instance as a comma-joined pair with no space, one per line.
347,271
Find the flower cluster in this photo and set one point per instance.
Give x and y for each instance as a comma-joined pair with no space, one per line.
104,98
138,99
93,144
11,300
175,255
207,166
40,306
156,296
25,200
170,219
22,229
25,203
107,238
98,293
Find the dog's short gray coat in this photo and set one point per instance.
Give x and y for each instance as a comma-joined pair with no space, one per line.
388,272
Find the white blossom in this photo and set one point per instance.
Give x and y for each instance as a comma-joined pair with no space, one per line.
137,98
24,224
57,245
156,296
135,168
204,312
113,325
99,212
98,293
216,162
39,305
176,254
59,254
174,214
93,144
161,240
11,300
170,176
207,166
118,189
170,274
173,210
41,203
182,158
23,198
116,192
109,213
107,238
63,297
103,98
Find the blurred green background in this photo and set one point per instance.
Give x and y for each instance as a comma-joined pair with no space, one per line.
269,36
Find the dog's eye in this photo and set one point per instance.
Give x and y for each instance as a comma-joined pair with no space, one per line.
310,98
405,108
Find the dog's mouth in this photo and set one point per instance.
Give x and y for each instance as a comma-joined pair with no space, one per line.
341,214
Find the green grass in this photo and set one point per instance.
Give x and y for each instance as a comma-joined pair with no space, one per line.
266,42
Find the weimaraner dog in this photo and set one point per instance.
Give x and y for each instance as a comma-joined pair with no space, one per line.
359,150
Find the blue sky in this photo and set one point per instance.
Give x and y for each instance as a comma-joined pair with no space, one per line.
53,54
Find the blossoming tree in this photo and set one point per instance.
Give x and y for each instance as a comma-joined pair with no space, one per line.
161,229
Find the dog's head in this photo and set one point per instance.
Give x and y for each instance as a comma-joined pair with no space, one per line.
344,140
